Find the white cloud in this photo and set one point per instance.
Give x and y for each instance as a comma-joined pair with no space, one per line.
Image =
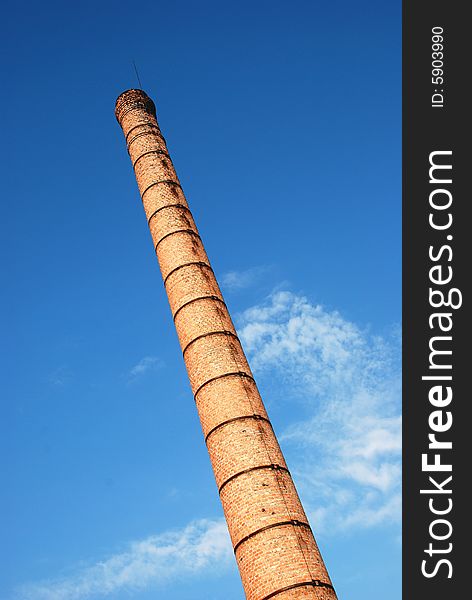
144,564
146,364
239,280
345,454
347,451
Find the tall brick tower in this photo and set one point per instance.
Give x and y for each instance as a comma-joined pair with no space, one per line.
274,546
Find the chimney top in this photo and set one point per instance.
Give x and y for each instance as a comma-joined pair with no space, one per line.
131,99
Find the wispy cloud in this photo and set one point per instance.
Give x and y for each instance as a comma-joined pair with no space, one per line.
146,563
347,450
239,280
60,377
345,454
145,365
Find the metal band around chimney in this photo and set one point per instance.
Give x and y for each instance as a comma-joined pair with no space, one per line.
126,111
143,124
176,205
204,335
189,264
163,152
151,132
231,374
136,106
272,466
167,181
210,297
293,522
189,231
312,583
241,418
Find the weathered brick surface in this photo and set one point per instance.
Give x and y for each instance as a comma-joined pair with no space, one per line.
145,139
171,218
277,558
150,168
179,249
160,195
213,405
240,445
265,507
274,546
201,317
306,592
189,283
214,356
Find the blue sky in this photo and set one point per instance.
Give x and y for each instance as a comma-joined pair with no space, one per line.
283,121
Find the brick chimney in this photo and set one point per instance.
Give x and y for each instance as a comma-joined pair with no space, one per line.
275,550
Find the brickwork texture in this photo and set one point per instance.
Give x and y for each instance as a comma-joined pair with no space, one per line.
273,543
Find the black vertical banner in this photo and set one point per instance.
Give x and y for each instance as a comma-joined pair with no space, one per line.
437,241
